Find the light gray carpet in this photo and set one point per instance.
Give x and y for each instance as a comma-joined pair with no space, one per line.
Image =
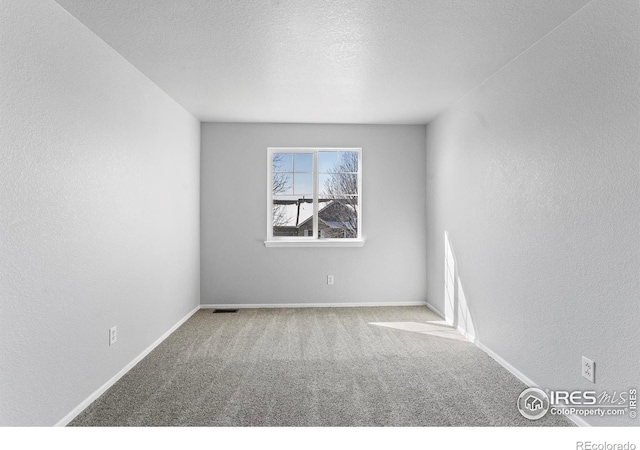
314,367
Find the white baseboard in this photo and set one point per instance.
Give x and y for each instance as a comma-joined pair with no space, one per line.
470,337
515,372
78,409
437,311
305,305
579,421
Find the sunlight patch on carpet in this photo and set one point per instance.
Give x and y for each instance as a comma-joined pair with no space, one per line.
434,328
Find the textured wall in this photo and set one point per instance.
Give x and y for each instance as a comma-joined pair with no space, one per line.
238,268
534,176
99,192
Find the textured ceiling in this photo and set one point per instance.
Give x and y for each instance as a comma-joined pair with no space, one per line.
319,61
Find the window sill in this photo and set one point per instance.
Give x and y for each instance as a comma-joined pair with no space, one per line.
315,243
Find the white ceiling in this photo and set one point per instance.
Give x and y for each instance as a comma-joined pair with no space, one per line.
319,61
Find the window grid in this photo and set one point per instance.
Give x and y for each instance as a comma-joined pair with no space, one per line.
352,200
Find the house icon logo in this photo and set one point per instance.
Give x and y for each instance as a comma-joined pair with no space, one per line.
533,403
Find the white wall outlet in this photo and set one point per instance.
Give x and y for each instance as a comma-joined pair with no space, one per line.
113,335
329,279
588,369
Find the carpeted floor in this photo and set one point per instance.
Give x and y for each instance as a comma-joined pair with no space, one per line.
384,366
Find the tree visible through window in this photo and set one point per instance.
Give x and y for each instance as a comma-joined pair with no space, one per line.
314,193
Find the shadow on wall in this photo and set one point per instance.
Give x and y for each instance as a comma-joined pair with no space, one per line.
456,307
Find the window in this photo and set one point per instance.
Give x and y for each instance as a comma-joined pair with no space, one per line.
314,197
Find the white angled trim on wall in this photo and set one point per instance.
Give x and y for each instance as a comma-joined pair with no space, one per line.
579,421
437,312
306,305
85,403
525,379
102,389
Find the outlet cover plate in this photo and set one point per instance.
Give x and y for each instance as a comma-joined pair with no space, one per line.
113,335
588,369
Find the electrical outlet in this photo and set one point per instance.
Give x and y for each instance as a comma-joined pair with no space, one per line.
113,335
588,369
329,279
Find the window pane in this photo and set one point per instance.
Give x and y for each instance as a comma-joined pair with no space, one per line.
327,162
338,219
292,216
303,162
282,183
333,184
303,184
283,212
348,183
324,185
348,161
282,162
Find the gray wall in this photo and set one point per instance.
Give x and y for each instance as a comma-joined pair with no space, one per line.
238,269
534,176
99,198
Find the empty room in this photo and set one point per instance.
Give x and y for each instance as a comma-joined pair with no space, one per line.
345,214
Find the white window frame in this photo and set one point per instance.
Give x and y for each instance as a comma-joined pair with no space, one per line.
314,240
